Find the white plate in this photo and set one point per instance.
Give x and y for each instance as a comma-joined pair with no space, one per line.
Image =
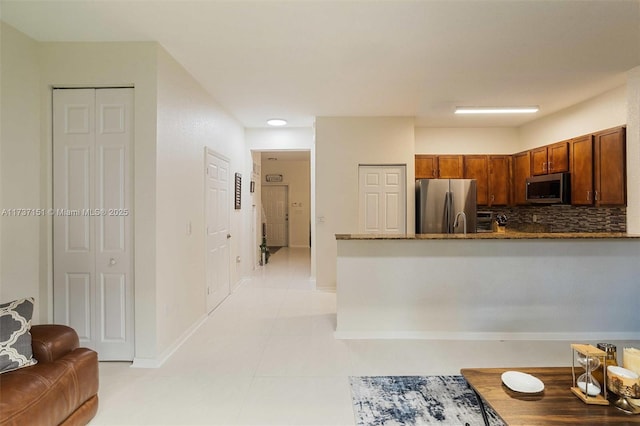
522,382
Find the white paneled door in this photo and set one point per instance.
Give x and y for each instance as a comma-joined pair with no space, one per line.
217,207
382,199
92,218
275,202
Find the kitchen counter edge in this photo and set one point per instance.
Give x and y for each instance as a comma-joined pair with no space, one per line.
509,235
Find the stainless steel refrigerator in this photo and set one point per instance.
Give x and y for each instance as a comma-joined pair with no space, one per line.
444,205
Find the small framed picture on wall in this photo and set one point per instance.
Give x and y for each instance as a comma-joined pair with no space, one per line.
238,193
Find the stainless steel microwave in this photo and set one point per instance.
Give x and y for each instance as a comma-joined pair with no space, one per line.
549,189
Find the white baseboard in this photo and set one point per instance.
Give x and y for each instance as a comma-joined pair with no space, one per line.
327,288
165,355
239,284
445,335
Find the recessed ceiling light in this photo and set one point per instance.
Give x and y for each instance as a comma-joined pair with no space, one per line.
276,122
497,110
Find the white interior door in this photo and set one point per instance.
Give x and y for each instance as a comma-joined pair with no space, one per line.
92,223
217,206
276,207
382,199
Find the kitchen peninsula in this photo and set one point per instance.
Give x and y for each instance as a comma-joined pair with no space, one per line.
513,285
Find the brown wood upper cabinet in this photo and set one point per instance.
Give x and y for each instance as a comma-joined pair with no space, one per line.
492,176
499,179
426,166
521,171
450,166
550,159
438,166
609,148
582,171
598,164
477,167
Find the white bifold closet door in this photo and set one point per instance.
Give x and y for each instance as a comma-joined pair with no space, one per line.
92,221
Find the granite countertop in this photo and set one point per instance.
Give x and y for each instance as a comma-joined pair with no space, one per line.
508,235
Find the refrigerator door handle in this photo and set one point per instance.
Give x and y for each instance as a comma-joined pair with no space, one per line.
448,211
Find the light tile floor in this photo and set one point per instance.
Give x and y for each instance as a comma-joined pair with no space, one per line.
267,356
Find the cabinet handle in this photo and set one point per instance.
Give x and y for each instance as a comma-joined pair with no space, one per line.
550,166
588,195
596,195
493,197
544,166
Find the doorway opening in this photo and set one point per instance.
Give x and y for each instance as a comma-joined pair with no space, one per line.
283,198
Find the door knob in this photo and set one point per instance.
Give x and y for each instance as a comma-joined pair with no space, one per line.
112,261
228,236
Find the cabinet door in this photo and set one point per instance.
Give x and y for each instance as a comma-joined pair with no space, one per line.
558,157
450,166
476,167
521,171
499,180
610,175
426,166
539,161
582,171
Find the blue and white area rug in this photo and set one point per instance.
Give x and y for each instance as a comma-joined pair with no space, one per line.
417,400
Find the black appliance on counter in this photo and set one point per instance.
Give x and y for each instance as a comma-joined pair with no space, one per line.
484,221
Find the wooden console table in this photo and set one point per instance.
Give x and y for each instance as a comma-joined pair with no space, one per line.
556,405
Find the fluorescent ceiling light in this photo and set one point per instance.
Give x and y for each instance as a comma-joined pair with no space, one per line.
276,122
496,110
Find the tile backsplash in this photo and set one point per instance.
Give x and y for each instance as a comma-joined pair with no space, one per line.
563,218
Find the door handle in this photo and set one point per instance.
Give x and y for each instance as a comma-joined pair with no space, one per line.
228,236
112,261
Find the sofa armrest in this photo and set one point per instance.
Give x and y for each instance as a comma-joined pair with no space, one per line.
52,341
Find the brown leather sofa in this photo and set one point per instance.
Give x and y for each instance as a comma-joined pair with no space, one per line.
62,388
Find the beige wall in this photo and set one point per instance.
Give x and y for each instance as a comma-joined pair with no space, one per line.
601,112
633,151
188,120
487,140
342,143
20,236
291,138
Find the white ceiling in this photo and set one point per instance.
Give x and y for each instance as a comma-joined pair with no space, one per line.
299,59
